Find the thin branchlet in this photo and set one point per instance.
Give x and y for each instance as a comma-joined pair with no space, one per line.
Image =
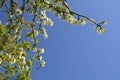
74,13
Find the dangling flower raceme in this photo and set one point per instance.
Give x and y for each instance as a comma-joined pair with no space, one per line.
49,22
43,32
42,14
45,36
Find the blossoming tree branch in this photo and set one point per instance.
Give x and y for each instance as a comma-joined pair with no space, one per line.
15,46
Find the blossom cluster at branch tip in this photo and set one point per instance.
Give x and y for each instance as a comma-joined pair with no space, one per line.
99,30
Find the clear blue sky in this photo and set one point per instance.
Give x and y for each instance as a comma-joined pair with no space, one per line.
78,52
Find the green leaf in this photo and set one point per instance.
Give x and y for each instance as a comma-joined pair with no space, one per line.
2,30
29,62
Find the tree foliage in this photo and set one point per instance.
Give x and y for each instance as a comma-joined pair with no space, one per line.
18,35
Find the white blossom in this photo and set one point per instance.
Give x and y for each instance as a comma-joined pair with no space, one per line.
42,63
36,33
18,11
82,21
12,61
40,58
41,50
9,56
0,60
35,49
45,36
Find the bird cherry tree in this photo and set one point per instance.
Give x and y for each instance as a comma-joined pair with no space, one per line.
19,35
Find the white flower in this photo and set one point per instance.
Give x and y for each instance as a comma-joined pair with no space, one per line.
42,15
18,11
23,68
36,33
43,23
9,56
42,30
0,60
12,61
40,58
16,30
27,67
35,49
99,30
41,50
42,63
20,56
21,49
45,36
51,23
74,21
23,58
82,21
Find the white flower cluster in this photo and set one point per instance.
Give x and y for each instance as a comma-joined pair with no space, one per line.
36,32
21,62
43,19
38,56
70,19
99,30
82,21
40,51
49,22
10,59
43,32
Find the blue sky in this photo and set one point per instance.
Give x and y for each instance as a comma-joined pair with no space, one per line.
78,52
